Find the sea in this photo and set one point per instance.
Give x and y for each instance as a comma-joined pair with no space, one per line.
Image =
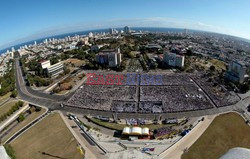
149,29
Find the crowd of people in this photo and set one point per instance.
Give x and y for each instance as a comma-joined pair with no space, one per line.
177,93
174,98
163,131
101,96
217,93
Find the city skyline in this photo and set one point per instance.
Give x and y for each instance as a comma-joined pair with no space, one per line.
29,21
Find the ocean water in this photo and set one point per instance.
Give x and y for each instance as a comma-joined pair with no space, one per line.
150,29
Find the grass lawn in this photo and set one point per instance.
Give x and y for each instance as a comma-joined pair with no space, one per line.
20,125
48,137
225,132
6,107
4,97
115,126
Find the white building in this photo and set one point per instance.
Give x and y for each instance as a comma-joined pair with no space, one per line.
135,131
54,70
44,64
51,70
85,40
173,59
91,35
113,31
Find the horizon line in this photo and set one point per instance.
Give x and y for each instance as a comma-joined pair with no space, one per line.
104,28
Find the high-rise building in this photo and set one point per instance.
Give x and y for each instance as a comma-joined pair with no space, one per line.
173,59
236,72
112,58
185,31
90,35
127,29
113,31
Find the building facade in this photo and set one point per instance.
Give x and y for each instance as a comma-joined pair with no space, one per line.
51,70
127,29
174,60
236,72
112,58
44,63
54,70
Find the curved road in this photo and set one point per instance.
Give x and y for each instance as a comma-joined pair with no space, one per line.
53,102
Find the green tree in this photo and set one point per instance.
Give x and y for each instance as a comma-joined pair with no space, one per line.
10,151
21,117
13,94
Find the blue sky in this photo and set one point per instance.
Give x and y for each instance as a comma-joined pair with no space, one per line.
24,20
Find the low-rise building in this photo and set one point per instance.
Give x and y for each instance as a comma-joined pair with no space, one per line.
138,132
54,70
51,70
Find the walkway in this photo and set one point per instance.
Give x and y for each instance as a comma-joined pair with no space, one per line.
187,141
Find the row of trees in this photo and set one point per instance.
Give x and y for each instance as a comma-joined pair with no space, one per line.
8,80
38,81
13,109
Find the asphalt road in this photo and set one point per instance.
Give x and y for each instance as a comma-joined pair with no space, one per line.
52,102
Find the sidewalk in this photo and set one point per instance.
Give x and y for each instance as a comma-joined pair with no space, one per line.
187,141
88,152
13,117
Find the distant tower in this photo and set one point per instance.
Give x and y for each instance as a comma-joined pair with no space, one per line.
90,35
34,42
13,49
127,29
111,31
185,31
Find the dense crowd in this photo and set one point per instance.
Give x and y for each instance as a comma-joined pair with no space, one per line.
174,98
218,94
178,93
163,131
101,96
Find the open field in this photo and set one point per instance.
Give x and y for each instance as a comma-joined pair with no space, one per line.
6,107
75,62
67,84
218,64
225,132
4,97
20,125
50,138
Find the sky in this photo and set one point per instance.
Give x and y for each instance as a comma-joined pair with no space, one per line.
25,20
